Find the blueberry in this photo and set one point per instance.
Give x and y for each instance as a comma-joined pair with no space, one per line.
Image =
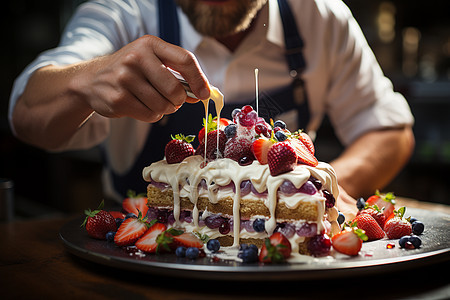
279,123
249,255
192,252
415,240
403,240
412,220
281,136
417,227
235,112
341,218
110,236
360,203
259,225
119,222
213,245
230,130
180,252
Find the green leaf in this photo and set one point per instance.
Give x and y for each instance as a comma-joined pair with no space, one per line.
175,232
400,212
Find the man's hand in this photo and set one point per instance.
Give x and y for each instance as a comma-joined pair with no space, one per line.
135,82
132,82
346,204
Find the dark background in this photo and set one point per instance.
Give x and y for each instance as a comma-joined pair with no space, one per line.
411,40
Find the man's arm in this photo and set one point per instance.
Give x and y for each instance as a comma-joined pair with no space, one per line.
371,162
131,82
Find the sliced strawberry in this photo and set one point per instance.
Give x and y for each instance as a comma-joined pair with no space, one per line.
304,156
130,231
260,148
275,249
385,202
349,241
149,241
135,204
370,226
281,158
187,239
117,214
306,140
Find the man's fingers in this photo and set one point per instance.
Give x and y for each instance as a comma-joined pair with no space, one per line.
185,63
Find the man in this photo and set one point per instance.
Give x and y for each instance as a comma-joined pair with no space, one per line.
108,80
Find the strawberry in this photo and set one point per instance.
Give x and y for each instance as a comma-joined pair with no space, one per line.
238,148
153,238
281,158
397,226
306,140
212,125
304,155
179,148
276,249
260,148
349,241
135,204
211,148
117,214
187,239
99,222
131,230
385,202
376,213
367,223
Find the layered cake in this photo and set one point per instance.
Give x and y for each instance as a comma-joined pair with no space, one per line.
246,180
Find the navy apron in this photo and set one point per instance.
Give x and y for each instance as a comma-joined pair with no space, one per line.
187,119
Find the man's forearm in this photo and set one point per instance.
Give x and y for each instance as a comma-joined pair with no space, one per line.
49,113
373,160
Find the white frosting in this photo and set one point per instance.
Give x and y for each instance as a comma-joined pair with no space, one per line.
221,172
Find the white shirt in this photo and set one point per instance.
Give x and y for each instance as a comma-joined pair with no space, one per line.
343,78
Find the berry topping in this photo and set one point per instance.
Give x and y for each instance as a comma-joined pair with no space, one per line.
211,148
230,131
237,148
280,124
179,148
211,125
281,158
260,149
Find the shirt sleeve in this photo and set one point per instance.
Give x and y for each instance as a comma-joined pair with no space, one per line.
97,28
359,98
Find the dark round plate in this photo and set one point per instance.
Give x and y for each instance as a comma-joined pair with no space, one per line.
374,256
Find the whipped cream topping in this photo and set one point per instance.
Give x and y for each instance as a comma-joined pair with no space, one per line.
187,175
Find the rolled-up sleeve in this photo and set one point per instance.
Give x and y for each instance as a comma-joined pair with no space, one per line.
97,28
360,98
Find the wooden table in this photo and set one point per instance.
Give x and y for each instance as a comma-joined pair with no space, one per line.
34,264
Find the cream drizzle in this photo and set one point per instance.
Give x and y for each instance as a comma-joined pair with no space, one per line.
223,171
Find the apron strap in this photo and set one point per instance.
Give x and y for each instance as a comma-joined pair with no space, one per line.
168,22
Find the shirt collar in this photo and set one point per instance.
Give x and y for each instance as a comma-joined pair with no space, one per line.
191,39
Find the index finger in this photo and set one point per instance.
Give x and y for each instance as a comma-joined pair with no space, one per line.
184,62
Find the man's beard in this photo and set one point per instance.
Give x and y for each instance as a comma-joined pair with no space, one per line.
223,19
